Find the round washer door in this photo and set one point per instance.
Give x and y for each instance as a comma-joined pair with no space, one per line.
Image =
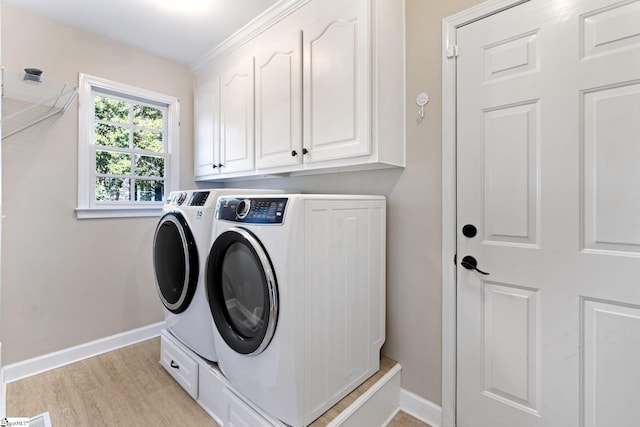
175,262
242,291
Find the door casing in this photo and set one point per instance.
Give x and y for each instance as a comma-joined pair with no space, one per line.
449,229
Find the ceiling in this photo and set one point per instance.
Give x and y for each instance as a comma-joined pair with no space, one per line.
180,30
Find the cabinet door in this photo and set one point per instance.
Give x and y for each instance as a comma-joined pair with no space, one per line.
236,112
207,129
278,92
337,83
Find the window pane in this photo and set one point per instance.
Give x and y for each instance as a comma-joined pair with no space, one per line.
148,117
148,190
111,110
112,189
111,136
113,163
127,146
148,140
150,166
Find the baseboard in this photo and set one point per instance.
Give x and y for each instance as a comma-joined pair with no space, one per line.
29,367
420,408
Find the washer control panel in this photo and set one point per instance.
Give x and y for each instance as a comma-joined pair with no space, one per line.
187,198
179,198
262,210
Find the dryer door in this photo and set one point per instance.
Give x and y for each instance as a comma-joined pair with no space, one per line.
175,262
242,291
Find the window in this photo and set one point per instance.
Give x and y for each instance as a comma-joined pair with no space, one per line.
127,153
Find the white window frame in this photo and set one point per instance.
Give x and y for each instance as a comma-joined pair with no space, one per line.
88,207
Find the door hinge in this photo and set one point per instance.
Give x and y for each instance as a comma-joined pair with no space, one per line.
452,51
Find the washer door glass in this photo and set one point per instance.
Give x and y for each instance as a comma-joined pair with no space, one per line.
175,262
242,291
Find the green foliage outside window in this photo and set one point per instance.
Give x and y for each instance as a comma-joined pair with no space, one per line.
111,110
134,129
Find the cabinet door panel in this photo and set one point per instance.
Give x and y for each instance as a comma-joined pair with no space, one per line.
236,110
337,83
278,89
207,130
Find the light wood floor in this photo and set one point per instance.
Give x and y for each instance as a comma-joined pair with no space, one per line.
125,387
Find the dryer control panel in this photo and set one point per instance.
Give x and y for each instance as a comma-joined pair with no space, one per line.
262,210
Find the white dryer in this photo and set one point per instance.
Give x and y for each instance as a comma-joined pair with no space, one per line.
180,247
296,288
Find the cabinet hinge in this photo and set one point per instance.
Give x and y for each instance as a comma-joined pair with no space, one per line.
452,51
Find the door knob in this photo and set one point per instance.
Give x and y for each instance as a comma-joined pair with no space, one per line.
304,151
294,153
470,263
469,230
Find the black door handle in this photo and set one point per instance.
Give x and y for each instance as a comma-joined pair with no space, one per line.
294,153
174,365
470,263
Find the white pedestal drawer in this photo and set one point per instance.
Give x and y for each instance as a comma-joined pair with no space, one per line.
182,367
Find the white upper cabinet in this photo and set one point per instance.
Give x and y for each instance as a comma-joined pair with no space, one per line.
236,115
207,128
278,99
322,88
336,80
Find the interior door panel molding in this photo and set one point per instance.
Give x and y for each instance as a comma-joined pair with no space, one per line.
449,228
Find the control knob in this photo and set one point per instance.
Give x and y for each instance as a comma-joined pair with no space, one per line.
181,198
243,208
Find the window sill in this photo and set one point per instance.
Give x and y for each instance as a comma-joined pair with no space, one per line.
119,212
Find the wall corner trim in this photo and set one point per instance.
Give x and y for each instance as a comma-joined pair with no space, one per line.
26,368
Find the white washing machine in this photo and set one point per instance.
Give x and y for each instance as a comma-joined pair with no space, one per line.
180,247
296,288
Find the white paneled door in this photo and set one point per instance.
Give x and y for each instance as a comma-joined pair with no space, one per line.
548,177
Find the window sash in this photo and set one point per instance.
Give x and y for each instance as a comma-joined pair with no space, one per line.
133,176
90,87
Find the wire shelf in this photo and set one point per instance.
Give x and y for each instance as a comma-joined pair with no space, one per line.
26,102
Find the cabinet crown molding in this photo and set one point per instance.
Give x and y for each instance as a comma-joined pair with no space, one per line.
256,26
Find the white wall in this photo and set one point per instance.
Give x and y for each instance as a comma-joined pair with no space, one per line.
414,280
66,281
